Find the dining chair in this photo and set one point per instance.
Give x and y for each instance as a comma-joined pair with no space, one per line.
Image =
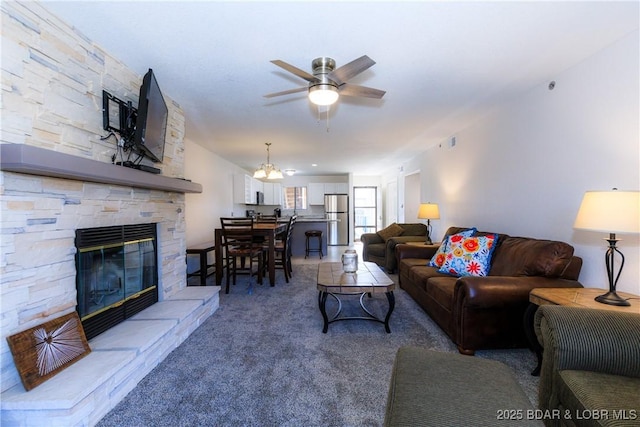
238,244
282,250
272,219
261,240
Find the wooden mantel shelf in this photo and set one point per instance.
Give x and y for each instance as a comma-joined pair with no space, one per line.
32,160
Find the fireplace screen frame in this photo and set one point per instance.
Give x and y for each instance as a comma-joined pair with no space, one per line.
116,274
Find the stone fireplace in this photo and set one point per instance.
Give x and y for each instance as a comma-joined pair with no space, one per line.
57,177
42,215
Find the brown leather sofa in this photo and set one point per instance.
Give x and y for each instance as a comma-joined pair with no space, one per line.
376,249
487,312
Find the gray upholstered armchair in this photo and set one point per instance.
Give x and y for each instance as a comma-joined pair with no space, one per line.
380,247
590,366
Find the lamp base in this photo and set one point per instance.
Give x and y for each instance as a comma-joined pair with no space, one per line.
612,298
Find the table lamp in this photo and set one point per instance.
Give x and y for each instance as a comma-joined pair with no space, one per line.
428,211
613,212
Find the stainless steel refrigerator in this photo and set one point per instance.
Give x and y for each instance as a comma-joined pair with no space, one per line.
336,207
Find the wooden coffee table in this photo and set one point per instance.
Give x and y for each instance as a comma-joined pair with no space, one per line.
571,297
369,279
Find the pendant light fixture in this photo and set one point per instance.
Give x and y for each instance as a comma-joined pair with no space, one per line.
268,170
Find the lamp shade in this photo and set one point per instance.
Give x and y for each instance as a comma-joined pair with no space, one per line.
260,173
428,211
275,174
609,211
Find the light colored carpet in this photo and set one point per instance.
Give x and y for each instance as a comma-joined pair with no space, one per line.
262,360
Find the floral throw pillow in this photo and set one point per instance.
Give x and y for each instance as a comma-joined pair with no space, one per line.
438,258
469,256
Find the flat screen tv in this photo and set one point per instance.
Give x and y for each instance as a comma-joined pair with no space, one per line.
151,123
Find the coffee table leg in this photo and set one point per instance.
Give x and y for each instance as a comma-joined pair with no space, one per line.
392,303
322,303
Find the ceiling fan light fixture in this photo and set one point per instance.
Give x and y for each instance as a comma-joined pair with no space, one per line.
323,94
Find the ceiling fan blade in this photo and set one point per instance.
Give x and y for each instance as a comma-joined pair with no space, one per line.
286,92
295,70
341,74
356,90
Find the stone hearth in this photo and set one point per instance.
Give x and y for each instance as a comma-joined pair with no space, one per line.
84,392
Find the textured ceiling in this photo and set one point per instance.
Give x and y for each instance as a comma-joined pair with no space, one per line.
443,64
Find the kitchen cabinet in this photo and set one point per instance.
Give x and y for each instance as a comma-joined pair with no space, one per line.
315,193
336,188
272,193
317,190
245,188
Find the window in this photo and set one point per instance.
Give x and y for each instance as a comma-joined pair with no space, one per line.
295,198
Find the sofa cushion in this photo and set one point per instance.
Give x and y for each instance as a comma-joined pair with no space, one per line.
469,256
521,256
442,289
419,274
595,392
377,249
430,388
394,230
438,259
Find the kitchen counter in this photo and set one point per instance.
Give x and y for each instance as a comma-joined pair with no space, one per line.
308,220
298,239
318,220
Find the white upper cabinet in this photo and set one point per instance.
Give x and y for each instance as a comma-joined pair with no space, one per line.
245,188
317,190
272,193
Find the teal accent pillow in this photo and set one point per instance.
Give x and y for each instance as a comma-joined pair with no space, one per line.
469,256
438,258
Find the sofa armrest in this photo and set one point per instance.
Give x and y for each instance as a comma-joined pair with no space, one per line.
415,251
585,339
589,339
502,291
391,262
368,239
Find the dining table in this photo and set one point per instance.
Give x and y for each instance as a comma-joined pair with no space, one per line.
269,231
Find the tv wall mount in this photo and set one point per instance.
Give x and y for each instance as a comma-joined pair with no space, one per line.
119,117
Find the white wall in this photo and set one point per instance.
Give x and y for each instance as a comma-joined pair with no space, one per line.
524,170
412,198
204,210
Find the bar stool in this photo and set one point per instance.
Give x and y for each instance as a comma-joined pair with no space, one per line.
313,233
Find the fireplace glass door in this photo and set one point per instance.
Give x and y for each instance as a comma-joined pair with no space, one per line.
115,280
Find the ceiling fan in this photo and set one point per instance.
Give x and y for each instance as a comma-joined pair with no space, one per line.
327,82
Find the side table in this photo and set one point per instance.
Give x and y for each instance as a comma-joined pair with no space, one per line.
570,297
202,250
421,243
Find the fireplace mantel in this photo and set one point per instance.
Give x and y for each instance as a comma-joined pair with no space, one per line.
32,160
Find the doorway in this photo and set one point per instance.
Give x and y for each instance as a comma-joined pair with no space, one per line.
411,197
365,211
